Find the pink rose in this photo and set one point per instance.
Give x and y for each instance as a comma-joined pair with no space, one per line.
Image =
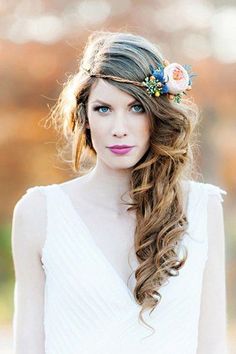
177,78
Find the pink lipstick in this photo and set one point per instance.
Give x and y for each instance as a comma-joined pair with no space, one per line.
120,149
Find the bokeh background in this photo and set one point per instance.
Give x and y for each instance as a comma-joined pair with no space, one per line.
40,45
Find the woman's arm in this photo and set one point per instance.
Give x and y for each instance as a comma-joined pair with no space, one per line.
28,224
212,336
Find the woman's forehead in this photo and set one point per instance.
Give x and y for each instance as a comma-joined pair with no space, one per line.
104,91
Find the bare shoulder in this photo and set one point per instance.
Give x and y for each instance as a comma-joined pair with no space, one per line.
75,184
29,219
78,190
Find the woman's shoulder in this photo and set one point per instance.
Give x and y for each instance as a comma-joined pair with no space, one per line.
210,190
31,207
29,217
206,199
204,202
35,195
28,200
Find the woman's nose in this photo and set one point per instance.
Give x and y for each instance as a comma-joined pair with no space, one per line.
119,126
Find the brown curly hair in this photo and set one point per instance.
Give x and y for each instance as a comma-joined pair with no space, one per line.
123,59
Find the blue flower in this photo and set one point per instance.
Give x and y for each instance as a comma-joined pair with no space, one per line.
158,73
164,89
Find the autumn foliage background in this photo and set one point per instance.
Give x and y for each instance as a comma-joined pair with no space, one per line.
41,43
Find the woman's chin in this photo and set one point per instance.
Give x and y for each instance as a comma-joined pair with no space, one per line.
122,163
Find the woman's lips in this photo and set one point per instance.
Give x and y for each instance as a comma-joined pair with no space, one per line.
121,151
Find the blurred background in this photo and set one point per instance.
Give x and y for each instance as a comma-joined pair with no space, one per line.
40,44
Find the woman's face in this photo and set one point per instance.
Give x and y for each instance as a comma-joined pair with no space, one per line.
116,118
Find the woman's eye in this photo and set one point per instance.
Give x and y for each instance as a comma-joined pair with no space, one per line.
104,109
100,107
140,108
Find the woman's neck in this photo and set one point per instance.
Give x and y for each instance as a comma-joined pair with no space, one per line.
107,185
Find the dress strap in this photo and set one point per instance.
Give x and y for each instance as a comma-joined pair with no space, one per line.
54,220
30,189
50,192
197,212
215,190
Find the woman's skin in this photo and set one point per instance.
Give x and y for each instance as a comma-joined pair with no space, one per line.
96,197
122,120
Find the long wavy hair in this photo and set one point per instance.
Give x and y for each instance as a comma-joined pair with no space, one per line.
156,192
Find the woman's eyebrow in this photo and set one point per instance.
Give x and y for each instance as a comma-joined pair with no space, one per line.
107,104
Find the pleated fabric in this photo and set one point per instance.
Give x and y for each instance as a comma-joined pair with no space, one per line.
88,307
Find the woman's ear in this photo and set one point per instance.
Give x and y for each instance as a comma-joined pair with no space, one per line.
87,125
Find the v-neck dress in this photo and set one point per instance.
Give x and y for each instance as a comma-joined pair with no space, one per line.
89,309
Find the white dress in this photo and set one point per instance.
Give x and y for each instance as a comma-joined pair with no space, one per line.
88,307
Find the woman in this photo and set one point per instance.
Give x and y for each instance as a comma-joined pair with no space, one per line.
94,253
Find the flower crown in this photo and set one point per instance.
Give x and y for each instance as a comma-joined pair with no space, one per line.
171,79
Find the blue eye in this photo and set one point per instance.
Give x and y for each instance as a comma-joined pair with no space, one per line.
104,109
141,108
97,108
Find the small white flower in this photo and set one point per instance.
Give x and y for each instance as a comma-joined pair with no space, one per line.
177,78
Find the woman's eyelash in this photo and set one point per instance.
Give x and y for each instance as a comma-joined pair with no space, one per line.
139,105
96,108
